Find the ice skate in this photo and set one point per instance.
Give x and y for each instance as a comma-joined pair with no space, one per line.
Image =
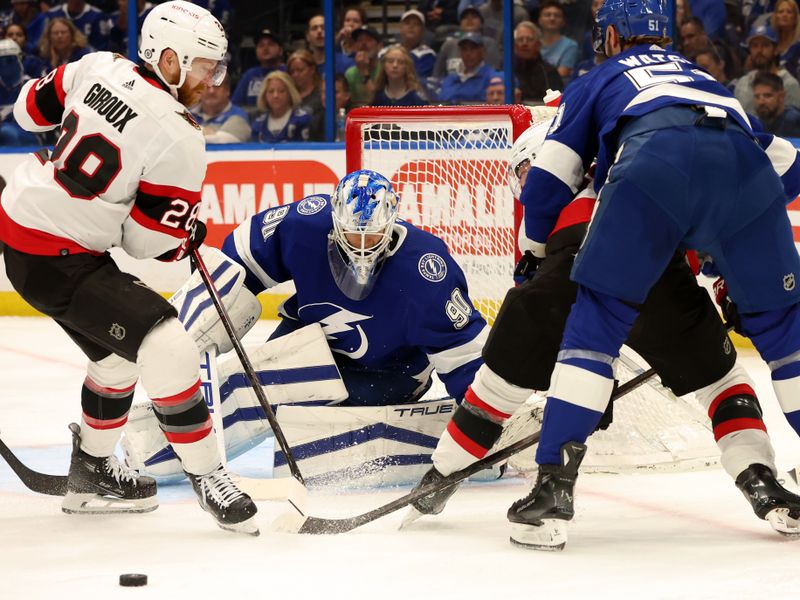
104,485
231,508
770,500
539,520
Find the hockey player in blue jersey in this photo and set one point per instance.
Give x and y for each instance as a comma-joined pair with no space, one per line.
678,167
391,300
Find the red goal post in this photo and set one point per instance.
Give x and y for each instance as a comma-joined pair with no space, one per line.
449,165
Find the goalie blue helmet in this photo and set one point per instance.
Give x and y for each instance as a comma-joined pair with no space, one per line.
364,210
631,18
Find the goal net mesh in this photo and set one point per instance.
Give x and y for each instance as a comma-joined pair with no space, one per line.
450,167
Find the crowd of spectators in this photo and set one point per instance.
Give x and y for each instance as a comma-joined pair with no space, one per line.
444,52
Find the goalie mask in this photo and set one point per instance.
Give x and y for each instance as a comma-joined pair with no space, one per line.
523,153
364,209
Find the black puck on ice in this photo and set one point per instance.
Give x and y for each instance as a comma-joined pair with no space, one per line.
132,579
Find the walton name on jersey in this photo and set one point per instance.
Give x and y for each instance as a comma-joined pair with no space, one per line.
107,105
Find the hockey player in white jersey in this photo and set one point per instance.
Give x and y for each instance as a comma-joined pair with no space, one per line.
125,172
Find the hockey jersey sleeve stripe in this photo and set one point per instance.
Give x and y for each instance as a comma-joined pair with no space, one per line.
170,192
544,197
562,162
784,158
45,99
451,359
151,223
687,93
241,239
33,241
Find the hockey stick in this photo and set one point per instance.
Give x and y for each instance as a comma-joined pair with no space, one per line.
299,523
42,483
248,367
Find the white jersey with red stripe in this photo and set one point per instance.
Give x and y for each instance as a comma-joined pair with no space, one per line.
126,170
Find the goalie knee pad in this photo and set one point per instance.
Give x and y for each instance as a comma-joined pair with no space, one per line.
737,422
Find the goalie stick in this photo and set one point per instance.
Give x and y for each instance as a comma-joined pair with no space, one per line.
246,365
300,523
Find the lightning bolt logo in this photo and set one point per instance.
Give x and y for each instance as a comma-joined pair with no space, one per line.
340,322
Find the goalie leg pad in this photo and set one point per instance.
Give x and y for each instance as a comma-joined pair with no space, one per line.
363,446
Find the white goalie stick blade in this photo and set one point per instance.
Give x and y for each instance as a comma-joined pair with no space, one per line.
550,536
282,488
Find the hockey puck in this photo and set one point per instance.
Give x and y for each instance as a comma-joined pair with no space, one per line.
132,579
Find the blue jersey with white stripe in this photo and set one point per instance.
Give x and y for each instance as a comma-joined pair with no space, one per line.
417,317
635,82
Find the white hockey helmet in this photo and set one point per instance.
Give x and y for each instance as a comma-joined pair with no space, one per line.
364,210
524,152
188,30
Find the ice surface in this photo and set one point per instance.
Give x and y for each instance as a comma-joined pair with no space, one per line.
668,535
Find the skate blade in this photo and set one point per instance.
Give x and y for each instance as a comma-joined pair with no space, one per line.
783,523
95,504
248,527
411,516
550,535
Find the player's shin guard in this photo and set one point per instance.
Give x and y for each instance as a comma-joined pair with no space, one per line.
105,401
168,360
478,422
737,422
470,434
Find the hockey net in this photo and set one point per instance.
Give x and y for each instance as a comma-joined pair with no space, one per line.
449,165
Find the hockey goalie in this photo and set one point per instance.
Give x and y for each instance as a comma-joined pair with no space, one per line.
380,305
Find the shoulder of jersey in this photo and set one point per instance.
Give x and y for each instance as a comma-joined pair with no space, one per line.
174,119
424,256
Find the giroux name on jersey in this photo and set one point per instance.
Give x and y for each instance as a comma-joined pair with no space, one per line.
107,105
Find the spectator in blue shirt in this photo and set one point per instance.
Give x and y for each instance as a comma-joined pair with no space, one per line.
90,21
12,77
283,120
412,30
61,43
557,49
221,121
119,24
26,13
269,54
770,103
397,83
315,39
468,85
448,59
31,63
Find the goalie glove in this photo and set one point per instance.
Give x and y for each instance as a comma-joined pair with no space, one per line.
729,311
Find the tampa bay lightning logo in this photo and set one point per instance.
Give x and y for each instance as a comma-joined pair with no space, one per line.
432,267
311,205
341,327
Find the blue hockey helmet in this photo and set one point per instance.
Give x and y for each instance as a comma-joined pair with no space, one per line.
364,210
631,18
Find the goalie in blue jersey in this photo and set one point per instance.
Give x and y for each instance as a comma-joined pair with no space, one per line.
379,305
